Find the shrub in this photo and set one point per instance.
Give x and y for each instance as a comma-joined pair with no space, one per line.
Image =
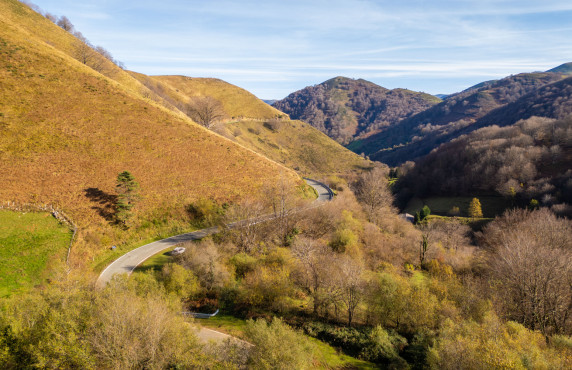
277,346
205,212
454,211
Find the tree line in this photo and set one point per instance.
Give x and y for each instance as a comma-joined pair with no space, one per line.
524,162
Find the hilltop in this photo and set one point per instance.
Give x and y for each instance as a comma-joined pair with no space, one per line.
346,109
565,68
236,102
417,135
67,130
256,125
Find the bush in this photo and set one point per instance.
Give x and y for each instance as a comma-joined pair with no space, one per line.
277,346
205,212
376,345
180,281
343,239
383,347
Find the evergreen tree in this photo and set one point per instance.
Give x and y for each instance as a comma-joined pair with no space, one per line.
425,212
475,209
127,197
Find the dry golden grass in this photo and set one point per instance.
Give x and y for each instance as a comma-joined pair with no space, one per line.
236,102
296,145
65,128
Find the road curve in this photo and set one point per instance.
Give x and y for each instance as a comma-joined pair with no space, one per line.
130,260
324,192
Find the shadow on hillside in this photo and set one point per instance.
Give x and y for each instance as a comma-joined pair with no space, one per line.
105,203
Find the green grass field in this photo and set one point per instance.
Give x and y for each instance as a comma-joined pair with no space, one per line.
32,246
156,262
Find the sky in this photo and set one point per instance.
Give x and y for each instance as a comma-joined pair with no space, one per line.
273,48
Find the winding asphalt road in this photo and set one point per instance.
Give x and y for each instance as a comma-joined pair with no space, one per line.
130,260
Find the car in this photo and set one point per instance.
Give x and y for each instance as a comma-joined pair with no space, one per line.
177,251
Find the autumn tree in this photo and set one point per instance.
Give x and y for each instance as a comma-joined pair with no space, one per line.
475,210
530,261
372,190
277,346
205,261
314,272
127,196
65,24
205,111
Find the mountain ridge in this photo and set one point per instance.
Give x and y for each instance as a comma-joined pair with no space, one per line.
346,108
457,114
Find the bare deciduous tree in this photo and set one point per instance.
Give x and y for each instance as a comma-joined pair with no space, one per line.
206,111
351,284
372,190
314,272
247,228
281,200
531,264
65,24
95,57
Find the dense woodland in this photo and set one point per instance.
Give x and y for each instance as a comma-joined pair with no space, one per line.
350,273
528,160
501,102
346,109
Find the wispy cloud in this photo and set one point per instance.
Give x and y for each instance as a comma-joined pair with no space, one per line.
272,46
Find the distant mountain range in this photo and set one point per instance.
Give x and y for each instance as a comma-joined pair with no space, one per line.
394,126
346,109
460,113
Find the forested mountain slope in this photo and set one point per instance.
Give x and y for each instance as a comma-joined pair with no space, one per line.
528,160
419,134
346,109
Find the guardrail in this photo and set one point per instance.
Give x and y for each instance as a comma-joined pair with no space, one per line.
198,315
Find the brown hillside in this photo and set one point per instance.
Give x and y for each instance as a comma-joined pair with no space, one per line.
252,123
66,131
237,102
295,144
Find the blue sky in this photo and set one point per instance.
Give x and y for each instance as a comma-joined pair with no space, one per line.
273,48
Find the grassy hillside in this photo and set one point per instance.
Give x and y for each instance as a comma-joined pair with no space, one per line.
236,102
346,109
295,144
32,245
254,124
66,131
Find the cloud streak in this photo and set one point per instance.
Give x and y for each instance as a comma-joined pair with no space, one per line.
271,47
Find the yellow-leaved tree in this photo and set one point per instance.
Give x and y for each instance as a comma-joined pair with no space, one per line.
475,209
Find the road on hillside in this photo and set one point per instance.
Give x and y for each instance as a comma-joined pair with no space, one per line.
130,260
